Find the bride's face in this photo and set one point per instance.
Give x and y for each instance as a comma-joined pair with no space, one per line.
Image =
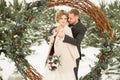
63,20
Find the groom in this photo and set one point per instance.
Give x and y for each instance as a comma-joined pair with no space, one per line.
78,31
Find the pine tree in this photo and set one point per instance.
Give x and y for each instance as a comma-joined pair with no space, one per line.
109,56
113,14
18,32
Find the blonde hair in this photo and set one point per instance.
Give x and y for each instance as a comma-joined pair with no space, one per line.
75,12
59,14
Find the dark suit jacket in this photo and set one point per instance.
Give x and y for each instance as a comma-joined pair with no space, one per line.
78,31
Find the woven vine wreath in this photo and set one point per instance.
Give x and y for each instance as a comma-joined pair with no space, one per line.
102,23
89,9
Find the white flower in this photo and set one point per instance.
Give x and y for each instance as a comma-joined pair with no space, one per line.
53,62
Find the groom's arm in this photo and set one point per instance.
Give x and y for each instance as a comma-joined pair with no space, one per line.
77,40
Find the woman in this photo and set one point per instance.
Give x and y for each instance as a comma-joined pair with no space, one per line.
68,53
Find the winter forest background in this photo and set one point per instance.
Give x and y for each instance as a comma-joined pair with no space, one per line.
31,28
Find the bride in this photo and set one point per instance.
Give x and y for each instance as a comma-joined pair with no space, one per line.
67,53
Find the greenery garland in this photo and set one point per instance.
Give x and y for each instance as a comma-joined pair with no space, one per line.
14,38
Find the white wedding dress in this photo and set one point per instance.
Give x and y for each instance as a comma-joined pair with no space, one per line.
68,54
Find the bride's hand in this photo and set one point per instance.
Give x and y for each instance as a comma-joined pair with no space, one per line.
60,34
55,31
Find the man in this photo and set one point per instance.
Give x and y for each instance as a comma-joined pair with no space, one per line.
78,31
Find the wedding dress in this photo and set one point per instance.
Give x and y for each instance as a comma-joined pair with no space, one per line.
68,54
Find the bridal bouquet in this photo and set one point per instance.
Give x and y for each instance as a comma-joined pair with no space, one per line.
53,62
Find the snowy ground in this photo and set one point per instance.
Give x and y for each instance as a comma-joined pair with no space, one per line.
38,59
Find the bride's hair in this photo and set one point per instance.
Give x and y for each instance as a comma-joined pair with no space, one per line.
59,14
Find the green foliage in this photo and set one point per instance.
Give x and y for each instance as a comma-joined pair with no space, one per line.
19,29
109,58
1,78
92,35
113,14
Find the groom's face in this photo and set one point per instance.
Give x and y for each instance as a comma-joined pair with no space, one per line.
72,18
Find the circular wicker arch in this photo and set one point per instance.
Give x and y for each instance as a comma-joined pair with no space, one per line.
88,8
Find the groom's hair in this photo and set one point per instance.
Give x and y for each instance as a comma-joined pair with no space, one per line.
75,12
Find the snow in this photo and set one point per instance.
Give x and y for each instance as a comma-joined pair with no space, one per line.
7,66
88,60
41,54
37,60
